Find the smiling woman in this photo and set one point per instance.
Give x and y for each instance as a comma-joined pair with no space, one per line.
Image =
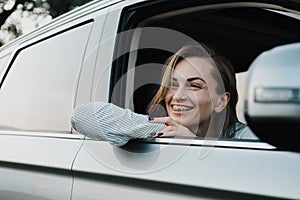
188,100
198,94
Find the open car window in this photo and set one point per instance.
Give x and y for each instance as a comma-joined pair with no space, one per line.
238,31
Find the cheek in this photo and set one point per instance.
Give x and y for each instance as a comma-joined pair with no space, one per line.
201,99
168,97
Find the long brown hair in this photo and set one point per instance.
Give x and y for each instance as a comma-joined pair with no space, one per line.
223,67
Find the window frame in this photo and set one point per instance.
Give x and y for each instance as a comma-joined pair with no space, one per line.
11,62
132,16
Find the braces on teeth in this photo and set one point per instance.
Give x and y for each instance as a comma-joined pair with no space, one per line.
180,108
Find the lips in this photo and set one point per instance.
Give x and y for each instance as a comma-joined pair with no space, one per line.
181,108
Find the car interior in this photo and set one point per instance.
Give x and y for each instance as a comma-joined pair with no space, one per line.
237,31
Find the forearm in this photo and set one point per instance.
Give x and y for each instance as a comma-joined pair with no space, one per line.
105,121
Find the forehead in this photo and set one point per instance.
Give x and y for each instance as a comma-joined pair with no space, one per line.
193,67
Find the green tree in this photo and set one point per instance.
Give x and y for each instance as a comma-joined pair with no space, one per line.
53,8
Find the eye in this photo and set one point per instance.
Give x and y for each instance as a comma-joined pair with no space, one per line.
195,86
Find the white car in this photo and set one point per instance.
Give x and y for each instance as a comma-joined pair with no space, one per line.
113,51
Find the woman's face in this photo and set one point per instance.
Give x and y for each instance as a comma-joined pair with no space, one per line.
189,100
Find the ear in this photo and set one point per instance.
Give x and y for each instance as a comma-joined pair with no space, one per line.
222,103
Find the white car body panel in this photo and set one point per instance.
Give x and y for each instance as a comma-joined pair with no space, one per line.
37,167
242,170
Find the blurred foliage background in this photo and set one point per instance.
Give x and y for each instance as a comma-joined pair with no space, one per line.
18,17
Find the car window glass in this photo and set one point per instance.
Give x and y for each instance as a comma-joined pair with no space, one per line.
38,91
237,25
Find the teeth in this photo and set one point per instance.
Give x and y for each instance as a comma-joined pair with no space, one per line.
180,108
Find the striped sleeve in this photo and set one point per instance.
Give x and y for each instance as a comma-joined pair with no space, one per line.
106,121
246,134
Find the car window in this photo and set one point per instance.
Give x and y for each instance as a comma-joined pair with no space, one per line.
239,32
38,92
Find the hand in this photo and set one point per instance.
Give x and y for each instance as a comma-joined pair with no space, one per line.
172,128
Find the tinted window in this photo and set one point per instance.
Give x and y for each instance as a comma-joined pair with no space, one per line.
237,32
38,92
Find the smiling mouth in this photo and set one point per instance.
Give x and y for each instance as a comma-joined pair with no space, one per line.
181,108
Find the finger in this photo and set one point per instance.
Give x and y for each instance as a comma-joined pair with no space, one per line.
166,131
158,134
163,120
160,120
166,134
171,133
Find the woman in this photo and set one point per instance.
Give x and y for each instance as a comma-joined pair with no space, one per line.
198,92
197,86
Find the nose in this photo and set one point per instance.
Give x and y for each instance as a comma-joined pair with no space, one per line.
179,93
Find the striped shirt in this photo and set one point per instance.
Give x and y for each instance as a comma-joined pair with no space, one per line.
106,121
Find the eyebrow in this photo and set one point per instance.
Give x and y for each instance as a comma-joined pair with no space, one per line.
192,79
195,78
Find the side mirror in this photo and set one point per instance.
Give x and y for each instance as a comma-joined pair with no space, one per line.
272,104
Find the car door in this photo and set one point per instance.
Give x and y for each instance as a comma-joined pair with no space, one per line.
180,168
38,87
